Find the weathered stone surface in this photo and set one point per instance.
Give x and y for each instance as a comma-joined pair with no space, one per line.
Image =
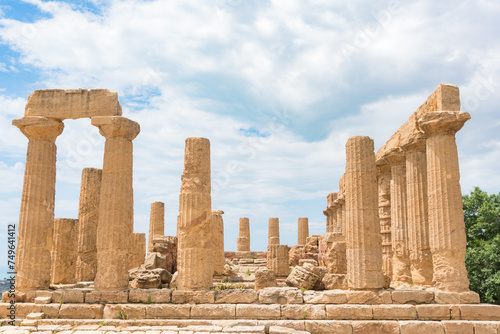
146,280
274,231
194,230
88,217
218,242
168,311
297,253
264,278
116,208
446,220
368,297
301,277
328,327
124,312
483,327
458,327
148,296
312,244
212,311
325,297
137,253
375,327
106,297
68,296
244,311
384,212
284,330
277,259
334,281
444,297
166,246
156,223
193,297
310,312
303,231
363,240
336,260
280,296
43,300
481,312
349,312
236,296
394,312
64,253
412,296
243,241
81,311
418,327
433,312
72,103
34,241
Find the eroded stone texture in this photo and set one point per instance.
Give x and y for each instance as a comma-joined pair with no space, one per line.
165,250
73,103
218,242
36,218
64,252
401,272
335,254
137,253
88,218
446,218
303,231
264,278
243,241
362,231
331,213
384,214
116,209
301,277
274,231
194,228
417,203
277,259
156,222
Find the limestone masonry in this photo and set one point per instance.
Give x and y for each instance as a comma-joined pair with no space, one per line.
391,259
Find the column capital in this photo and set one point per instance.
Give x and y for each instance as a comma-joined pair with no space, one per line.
443,122
217,212
383,166
116,126
415,142
39,127
395,156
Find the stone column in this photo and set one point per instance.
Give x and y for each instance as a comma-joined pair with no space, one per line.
418,223
274,232
384,214
36,218
446,217
88,218
116,209
401,272
341,223
137,253
362,231
156,222
194,230
277,259
64,253
331,213
339,203
303,231
243,241
218,242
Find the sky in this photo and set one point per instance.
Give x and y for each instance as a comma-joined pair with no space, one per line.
276,86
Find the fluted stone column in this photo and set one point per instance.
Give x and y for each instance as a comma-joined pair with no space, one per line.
277,259
156,222
401,272
303,231
116,209
384,214
274,231
88,218
36,216
341,223
218,242
418,223
243,241
340,204
363,240
331,213
446,218
137,253
194,230
64,253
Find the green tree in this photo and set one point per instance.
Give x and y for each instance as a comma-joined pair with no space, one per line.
482,224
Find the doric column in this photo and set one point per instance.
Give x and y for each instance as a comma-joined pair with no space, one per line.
331,213
362,227
446,217
156,222
418,223
384,214
340,205
218,242
116,209
243,241
194,229
274,231
277,259
88,218
341,223
36,217
137,253
401,272
64,253
303,231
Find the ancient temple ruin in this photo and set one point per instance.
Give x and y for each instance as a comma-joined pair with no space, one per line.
391,259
